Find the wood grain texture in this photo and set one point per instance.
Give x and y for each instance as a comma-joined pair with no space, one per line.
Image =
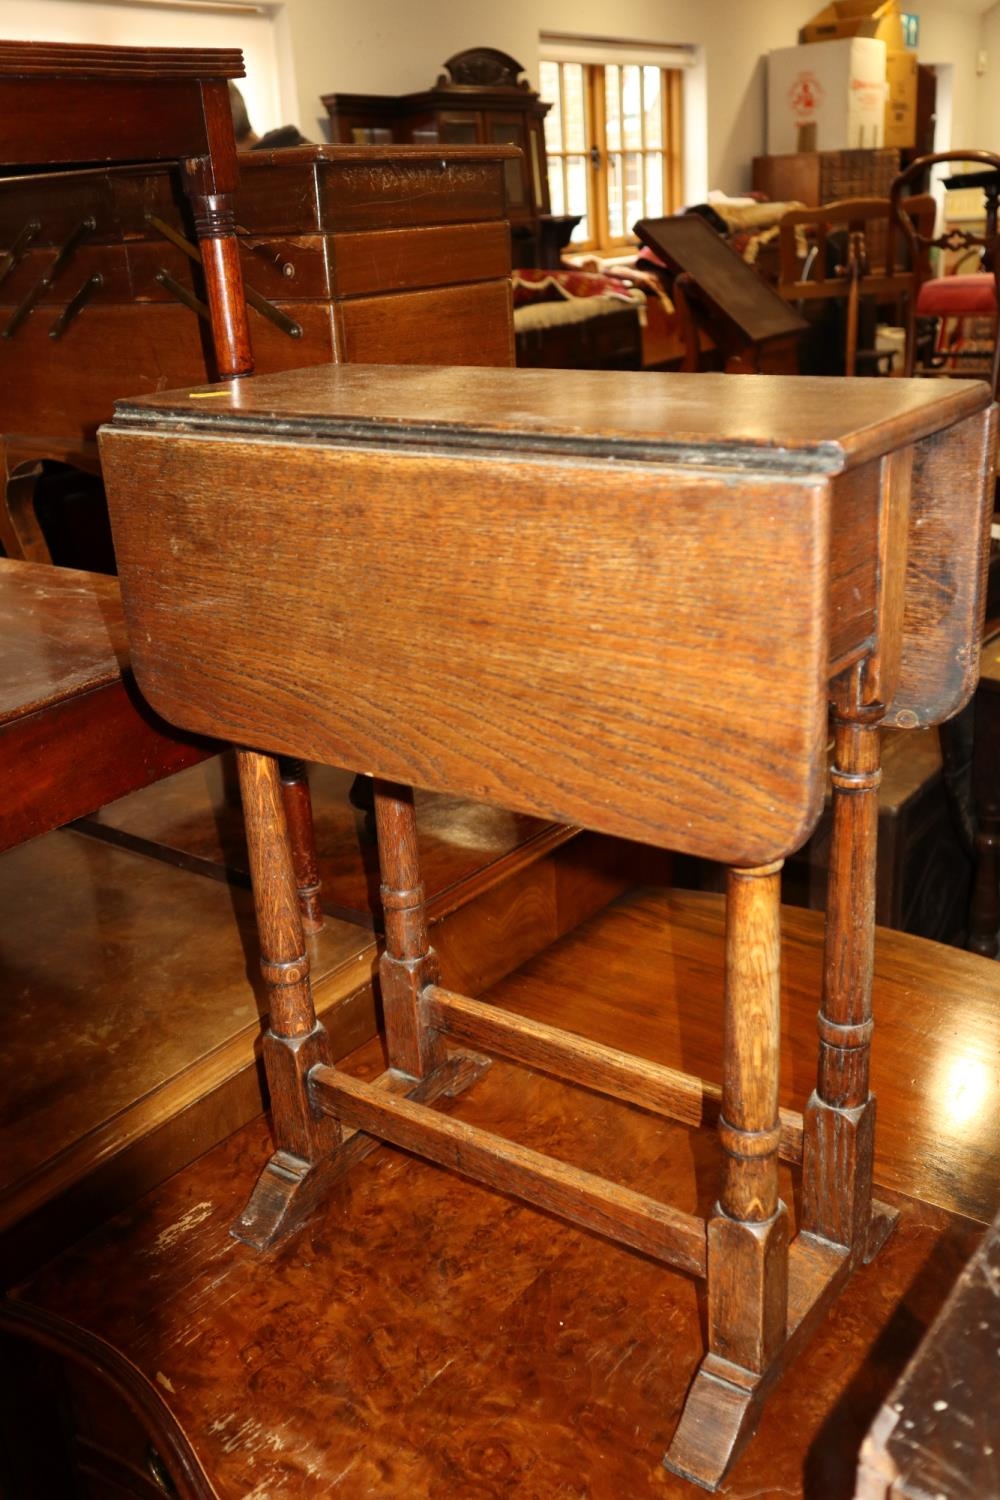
936,1432
530,1355
621,615
761,421
195,820
63,635
659,948
84,918
74,730
584,1198
401,329
947,560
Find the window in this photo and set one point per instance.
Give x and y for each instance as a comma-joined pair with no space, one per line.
614,140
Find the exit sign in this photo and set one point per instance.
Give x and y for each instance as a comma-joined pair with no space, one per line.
911,29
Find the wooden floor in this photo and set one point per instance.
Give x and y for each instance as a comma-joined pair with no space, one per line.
422,1337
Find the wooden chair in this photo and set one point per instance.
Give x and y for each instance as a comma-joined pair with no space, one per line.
441,618
949,297
65,105
853,253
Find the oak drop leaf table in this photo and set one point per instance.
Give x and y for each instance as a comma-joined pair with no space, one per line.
621,601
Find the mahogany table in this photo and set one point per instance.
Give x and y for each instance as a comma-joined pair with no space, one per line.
75,732
619,601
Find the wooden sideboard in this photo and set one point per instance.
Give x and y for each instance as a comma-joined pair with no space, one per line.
353,254
480,99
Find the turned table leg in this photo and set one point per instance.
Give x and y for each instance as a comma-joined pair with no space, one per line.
294,1041
302,833
840,1116
748,1233
408,962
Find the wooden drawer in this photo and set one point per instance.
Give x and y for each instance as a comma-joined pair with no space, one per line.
465,325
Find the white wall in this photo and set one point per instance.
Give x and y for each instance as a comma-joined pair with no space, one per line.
124,25
310,47
388,46
988,90
950,35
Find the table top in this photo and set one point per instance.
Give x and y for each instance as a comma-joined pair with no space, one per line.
63,636
788,424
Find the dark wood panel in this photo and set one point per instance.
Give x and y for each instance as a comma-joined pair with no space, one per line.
936,1434
462,325
396,260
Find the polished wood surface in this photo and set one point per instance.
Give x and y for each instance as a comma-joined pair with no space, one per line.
74,729
935,1140
601,592
757,419
748,432
195,820
532,1352
100,938
179,1009
936,1432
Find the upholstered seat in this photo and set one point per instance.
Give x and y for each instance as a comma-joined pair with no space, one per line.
969,296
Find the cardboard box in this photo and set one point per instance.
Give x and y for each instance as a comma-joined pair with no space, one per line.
829,96
901,99
849,18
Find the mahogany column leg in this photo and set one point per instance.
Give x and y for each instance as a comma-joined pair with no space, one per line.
294,1041
748,1233
408,963
302,832
840,1116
